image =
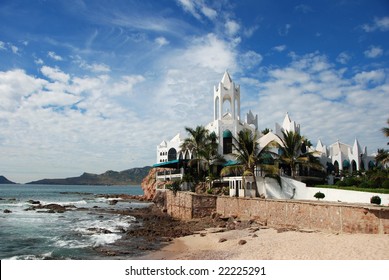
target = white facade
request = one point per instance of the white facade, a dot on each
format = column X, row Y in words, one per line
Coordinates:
column 227, row 123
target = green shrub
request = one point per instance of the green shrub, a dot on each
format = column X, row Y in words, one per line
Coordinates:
column 174, row 186
column 340, row 183
column 319, row 195
column 385, row 184
column 375, row 200
column 209, row 191
column 365, row 185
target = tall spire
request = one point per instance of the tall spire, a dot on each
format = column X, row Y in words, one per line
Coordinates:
column 226, row 80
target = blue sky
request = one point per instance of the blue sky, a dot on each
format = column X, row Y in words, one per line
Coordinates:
column 97, row 85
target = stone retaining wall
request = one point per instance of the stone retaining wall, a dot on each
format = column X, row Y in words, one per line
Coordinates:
column 322, row 216
column 186, row 205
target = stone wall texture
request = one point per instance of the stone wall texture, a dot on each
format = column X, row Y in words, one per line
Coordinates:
column 186, row 205
column 308, row 215
column 322, row 216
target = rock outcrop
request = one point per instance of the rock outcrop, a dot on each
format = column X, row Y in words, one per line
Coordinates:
column 150, row 184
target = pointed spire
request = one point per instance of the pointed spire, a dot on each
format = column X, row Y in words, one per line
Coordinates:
column 226, row 80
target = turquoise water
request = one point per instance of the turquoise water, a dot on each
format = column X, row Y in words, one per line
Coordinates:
column 74, row 234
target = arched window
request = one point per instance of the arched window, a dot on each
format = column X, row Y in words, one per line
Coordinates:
column 172, row 154
column 227, row 142
column 353, row 166
column 336, row 166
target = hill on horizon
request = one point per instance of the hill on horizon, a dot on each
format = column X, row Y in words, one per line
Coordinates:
column 4, row 180
column 133, row 176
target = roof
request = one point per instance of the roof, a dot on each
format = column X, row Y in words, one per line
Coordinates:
column 172, row 163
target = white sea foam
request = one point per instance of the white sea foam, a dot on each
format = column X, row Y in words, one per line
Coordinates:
column 102, row 239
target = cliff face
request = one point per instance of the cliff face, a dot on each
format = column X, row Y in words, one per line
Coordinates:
column 150, row 184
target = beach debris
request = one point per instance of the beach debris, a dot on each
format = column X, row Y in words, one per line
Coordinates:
column 221, row 240
column 203, row 234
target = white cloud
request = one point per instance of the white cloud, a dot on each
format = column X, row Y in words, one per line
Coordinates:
column 232, row 27
column 14, row 49
column 2, row 45
column 343, row 58
column 198, row 9
column 161, row 41
column 126, row 84
column 55, row 74
column 210, row 52
column 250, row 59
column 381, row 24
column 371, row 77
column 374, row 51
column 54, row 56
column 326, row 103
column 279, row 48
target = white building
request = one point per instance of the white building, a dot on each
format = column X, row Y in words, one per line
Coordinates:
column 227, row 123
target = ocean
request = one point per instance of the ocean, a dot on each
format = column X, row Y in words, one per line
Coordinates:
column 74, row 234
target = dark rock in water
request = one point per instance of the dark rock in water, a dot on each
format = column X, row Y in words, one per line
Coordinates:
column 7, row 211
column 34, row 201
column 113, row 202
column 55, row 207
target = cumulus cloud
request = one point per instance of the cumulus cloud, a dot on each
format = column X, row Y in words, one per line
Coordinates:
column 380, row 24
column 54, row 56
column 232, row 27
column 250, row 59
column 66, row 124
column 327, row 103
column 55, row 74
column 374, row 51
column 343, row 58
column 161, row 41
column 279, row 48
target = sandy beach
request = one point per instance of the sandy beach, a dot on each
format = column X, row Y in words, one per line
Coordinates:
column 272, row 244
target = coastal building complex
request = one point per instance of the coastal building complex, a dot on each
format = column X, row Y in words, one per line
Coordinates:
column 227, row 123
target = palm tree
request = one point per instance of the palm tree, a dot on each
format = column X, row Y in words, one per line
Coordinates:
column 246, row 152
column 293, row 151
column 202, row 144
column 382, row 156
column 385, row 130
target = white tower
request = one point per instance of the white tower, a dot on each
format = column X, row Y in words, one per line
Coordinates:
column 226, row 98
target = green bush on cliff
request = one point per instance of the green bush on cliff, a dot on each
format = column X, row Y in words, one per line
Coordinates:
column 319, row 195
column 375, row 200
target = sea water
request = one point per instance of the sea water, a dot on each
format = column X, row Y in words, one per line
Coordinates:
column 73, row 234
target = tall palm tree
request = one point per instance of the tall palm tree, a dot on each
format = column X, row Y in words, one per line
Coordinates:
column 385, row 130
column 246, row 152
column 293, row 151
column 202, row 144
column 382, row 156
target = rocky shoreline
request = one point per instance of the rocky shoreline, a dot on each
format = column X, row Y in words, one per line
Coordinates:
column 154, row 229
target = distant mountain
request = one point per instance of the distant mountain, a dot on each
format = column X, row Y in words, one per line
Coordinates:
column 4, row 180
column 131, row 176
